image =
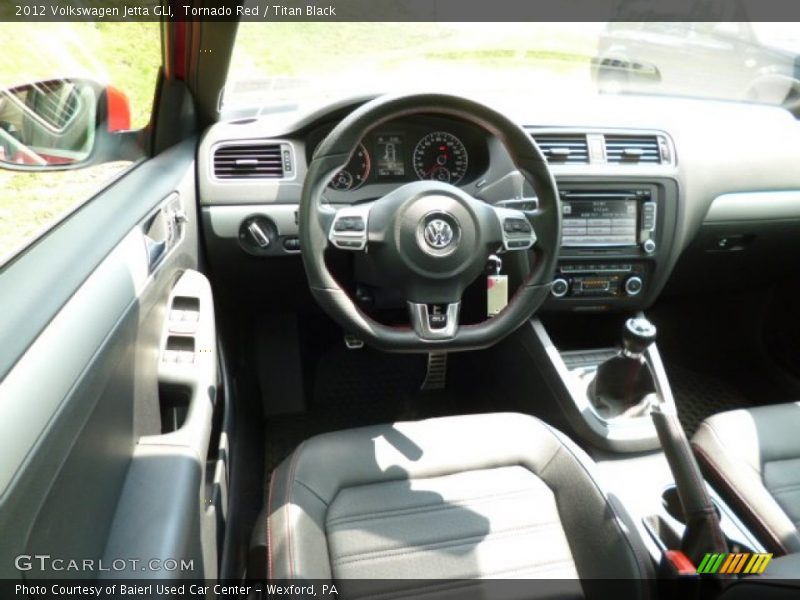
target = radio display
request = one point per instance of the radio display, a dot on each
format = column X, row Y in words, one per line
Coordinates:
column 599, row 222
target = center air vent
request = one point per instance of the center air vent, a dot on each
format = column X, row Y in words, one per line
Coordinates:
column 252, row 160
column 633, row 149
column 563, row 148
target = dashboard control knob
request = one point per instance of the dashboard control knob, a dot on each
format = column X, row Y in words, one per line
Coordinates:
column 633, row 286
column 559, row 288
column 257, row 235
column 649, row 246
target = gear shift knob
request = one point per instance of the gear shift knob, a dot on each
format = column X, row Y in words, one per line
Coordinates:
column 624, row 380
column 637, row 335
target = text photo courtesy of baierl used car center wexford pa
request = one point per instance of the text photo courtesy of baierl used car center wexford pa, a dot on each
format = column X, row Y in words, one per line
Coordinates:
column 400, row 299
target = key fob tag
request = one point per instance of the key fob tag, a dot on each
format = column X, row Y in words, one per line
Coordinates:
column 496, row 294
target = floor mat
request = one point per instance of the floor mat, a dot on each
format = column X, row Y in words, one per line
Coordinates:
column 366, row 387
column 355, row 389
column 365, row 378
column 699, row 396
column 284, row 433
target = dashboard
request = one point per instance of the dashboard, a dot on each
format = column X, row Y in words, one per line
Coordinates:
column 655, row 190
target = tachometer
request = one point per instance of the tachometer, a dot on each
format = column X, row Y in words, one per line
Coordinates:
column 355, row 172
column 440, row 156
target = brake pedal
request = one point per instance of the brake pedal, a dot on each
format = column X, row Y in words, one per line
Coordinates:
column 436, row 374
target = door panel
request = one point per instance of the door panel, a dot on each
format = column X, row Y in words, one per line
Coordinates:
column 38, row 283
column 81, row 400
column 165, row 511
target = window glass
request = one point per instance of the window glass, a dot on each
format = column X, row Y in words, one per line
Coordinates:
column 38, row 58
column 277, row 64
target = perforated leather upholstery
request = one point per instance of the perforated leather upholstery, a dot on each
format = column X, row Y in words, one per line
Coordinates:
column 499, row 495
column 753, row 456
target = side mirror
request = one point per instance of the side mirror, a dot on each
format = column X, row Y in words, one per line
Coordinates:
column 61, row 124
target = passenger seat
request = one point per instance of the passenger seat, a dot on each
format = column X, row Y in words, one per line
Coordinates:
column 752, row 457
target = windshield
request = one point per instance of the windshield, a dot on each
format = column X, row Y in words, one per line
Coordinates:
column 279, row 64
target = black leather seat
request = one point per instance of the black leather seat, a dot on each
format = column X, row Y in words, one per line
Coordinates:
column 753, row 458
column 497, row 495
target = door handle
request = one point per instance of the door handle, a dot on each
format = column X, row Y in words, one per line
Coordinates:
column 163, row 229
column 155, row 251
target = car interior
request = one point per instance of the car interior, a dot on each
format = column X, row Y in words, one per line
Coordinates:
column 417, row 344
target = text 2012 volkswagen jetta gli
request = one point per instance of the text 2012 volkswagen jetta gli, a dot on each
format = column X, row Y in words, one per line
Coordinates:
column 411, row 307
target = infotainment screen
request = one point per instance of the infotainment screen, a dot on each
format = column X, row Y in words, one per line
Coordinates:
column 599, row 222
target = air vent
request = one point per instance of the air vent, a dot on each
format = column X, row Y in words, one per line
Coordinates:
column 633, row 149
column 252, row 161
column 564, row 149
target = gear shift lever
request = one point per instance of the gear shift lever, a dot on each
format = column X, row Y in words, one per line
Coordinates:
column 623, row 381
column 637, row 335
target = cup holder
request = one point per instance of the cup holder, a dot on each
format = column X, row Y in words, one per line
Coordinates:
column 672, row 505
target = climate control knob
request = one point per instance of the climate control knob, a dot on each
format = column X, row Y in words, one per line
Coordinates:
column 633, row 286
column 559, row 288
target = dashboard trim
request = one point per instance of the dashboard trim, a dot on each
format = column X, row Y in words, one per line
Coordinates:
column 226, row 220
column 602, row 132
column 755, row 206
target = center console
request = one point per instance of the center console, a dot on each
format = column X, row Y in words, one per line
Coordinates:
column 616, row 397
column 572, row 376
column 616, row 243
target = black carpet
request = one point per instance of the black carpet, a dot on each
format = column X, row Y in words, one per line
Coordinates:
column 355, row 388
column 699, row 396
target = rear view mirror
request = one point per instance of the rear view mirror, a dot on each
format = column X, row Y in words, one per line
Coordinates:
column 58, row 124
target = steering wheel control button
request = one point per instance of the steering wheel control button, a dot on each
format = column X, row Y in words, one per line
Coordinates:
column 559, row 288
column 633, row 286
column 349, row 228
column 516, row 226
column 517, row 231
column 349, row 224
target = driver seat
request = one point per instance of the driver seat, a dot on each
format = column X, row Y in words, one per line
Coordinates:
column 479, row 496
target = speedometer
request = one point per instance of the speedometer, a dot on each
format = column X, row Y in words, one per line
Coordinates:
column 354, row 173
column 440, row 156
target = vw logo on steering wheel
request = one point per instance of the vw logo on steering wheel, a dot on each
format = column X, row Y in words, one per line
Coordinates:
column 439, row 234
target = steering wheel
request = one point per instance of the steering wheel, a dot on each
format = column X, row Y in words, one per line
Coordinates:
column 429, row 239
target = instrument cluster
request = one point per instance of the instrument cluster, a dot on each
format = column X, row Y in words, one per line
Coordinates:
column 408, row 150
